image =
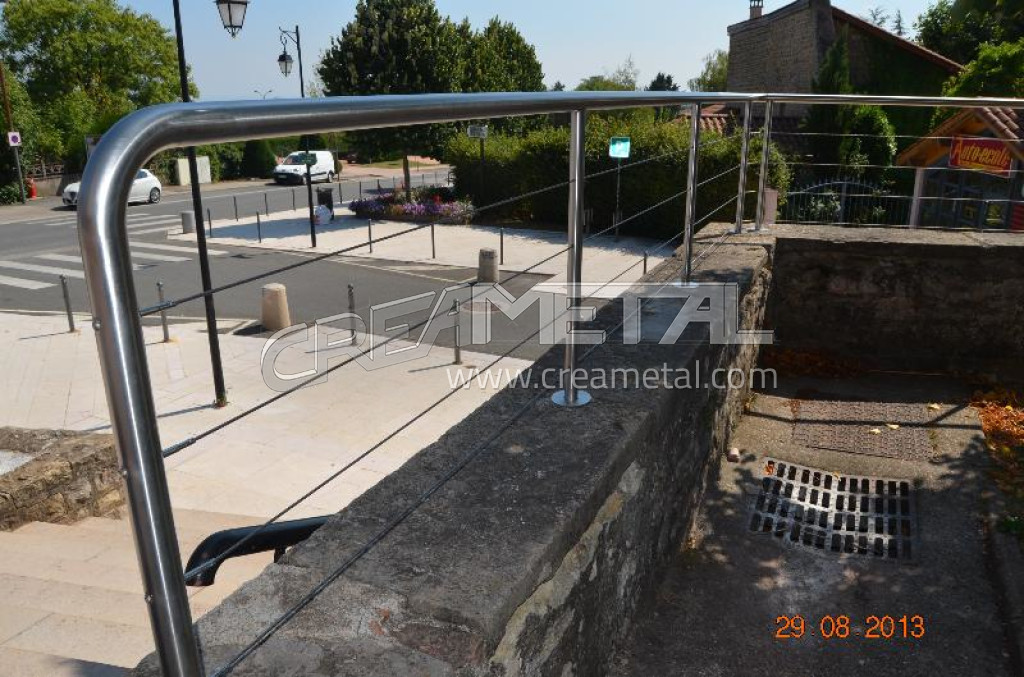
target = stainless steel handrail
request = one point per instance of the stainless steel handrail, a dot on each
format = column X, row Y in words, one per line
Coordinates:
column 104, row 243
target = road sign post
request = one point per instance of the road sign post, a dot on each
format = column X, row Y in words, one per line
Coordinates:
column 618, row 148
column 480, row 132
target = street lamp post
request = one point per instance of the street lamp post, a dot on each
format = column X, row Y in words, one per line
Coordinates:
column 285, row 62
column 220, row 392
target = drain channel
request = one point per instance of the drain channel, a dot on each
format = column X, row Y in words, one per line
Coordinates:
column 839, row 513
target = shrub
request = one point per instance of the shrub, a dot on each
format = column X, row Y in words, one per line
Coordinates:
column 427, row 205
column 10, row 194
column 515, row 166
column 258, row 160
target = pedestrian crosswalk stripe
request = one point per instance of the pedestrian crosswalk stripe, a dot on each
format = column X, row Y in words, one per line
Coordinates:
column 150, row 231
column 158, row 257
column 175, row 248
column 67, row 258
column 23, row 284
column 19, row 265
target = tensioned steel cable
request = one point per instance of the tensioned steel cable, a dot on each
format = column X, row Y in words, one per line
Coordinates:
column 227, row 553
column 903, row 197
column 190, row 441
column 718, row 176
column 968, row 137
column 320, row 257
column 311, row 596
column 706, row 144
column 904, row 167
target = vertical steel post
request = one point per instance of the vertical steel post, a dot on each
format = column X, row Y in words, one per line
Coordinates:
column 259, row 228
column 369, row 233
column 67, row 303
column 458, row 336
column 741, row 200
column 163, row 313
column 293, row 199
column 645, row 263
column 762, row 185
column 501, row 245
column 209, row 221
column 570, row 396
column 235, row 199
column 691, row 191
column 360, row 190
column 266, row 204
column 433, row 243
column 352, row 310
column 219, row 390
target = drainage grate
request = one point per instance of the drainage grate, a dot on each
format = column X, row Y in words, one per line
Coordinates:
column 839, row 513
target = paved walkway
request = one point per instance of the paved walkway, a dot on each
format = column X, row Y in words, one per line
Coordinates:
column 604, row 258
column 748, row 601
column 52, row 380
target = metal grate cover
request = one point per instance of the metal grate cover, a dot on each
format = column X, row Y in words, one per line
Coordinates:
column 830, row 512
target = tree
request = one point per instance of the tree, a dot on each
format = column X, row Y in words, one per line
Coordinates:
column 663, row 82
column 601, row 83
column 715, row 74
column 825, row 121
column 998, row 71
column 558, row 86
column 396, row 47
column 897, row 24
column 878, row 16
column 86, row 63
column 626, row 74
column 956, row 35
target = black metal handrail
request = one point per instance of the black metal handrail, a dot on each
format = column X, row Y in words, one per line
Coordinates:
column 219, row 547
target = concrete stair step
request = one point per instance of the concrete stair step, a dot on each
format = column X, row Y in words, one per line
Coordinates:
column 18, row 663
column 85, row 639
column 124, row 578
column 71, row 599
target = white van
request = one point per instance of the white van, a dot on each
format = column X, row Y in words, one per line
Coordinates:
column 293, row 168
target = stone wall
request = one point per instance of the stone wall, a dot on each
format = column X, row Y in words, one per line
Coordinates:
column 902, row 299
column 532, row 558
column 72, row 475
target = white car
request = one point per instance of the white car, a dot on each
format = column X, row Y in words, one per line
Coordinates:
column 293, row 168
column 145, row 188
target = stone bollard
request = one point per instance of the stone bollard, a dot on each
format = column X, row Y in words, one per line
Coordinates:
column 188, row 222
column 274, row 310
column 487, row 271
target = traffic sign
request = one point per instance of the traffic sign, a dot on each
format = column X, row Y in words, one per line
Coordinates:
column 13, row 139
column 618, row 147
column 477, row 131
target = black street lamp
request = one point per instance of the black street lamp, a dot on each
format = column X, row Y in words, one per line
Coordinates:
column 284, row 62
column 232, row 14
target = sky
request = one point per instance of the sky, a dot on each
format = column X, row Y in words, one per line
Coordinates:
column 573, row 38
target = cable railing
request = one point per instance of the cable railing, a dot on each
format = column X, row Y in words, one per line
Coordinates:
column 117, row 316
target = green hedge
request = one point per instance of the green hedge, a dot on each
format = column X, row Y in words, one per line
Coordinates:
column 518, row 165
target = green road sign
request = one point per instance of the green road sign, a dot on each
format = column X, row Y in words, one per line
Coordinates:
column 618, row 147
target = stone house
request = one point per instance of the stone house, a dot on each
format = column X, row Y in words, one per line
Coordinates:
column 781, row 51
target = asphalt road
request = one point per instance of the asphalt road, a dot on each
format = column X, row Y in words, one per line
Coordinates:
column 36, row 249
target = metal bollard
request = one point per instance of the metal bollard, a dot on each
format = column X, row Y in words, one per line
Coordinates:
column 67, row 303
column 209, row 221
column 234, row 198
column 645, row 263
column 266, row 204
column 501, row 245
column 352, row 308
column 293, row 200
column 369, row 232
column 163, row 313
column 360, row 190
column 259, row 228
column 433, row 243
column 458, row 337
